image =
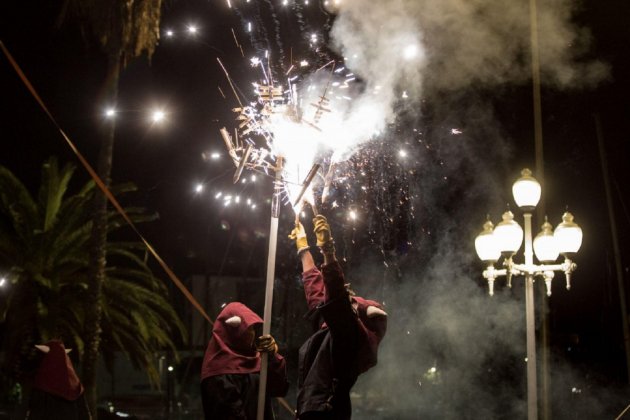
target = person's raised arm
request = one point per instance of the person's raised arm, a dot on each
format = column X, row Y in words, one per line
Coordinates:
column 311, row 277
column 324, row 238
column 298, row 234
column 332, row 273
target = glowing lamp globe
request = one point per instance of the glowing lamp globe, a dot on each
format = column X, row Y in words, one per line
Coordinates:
column 545, row 246
column 508, row 234
column 526, row 191
column 486, row 244
column 568, row 235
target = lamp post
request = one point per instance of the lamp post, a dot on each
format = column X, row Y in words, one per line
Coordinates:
column 504, row 241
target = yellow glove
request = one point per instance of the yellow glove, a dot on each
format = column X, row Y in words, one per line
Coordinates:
column 298, row 234
column 266, row 344
column 322, row 230
column 324, row 238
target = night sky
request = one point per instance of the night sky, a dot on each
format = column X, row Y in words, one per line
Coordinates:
column 467, row 128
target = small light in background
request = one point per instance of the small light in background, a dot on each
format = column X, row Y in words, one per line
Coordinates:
column 158, row 116
column 192, row 29
column 402, row 153
column 169, row 33
column 199, row 188
column 410, row 51
column 3, row 281
column 110, row 113
column 170, row 368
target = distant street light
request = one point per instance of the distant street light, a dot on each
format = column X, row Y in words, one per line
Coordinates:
column 506, row 239
column 158, row 116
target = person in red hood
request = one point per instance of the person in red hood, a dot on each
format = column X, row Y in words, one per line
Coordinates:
column 231, row 367
column 57, row 393
column 349, row 331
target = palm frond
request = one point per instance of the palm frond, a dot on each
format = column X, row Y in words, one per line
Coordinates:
column 53, row 188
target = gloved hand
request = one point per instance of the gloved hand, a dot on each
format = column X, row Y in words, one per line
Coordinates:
column 266, row 344
column 324, row 238
column 298, row 234
column 322, row 230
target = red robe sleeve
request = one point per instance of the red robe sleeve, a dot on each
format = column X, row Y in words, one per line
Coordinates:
column 277, row 383
column 314, row 288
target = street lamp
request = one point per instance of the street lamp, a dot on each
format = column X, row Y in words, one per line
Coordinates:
column 505, row 240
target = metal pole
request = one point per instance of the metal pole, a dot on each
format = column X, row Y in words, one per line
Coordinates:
column 540, row 175
column 532, row 389
column 615, row 244
column 271, row 266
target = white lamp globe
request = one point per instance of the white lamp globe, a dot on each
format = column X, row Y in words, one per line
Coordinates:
column 509, row 234
column 545, row 246
column 568, row 235
column 486, row 244
column 526, row 191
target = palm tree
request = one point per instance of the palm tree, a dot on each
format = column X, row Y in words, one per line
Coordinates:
column 43, row 248
column 124, row 30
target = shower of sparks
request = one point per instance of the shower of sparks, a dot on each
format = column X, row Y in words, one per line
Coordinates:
column 312, row 111
column 235, row 200
column 302, row 120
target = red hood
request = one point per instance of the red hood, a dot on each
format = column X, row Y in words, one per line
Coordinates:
column 229, row 350
column 56, row 374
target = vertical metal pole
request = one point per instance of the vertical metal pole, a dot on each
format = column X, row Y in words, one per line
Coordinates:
column 271, row 268
column 538, row 132
column 541, row 209
column 532, row 388
column 615, row 244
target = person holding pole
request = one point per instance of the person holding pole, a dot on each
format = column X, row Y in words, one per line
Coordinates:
column 231, row 367
column 349, row 331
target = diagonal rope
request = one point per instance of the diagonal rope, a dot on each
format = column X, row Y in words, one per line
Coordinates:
column 104, row 188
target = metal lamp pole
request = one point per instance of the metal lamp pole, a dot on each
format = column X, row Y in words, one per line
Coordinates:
column 532, row 385
column 506, row 239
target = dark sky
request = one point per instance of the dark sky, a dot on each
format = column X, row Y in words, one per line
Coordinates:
column 420, row 216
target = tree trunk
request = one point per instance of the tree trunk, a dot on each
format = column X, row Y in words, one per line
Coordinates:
column 98, row 256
